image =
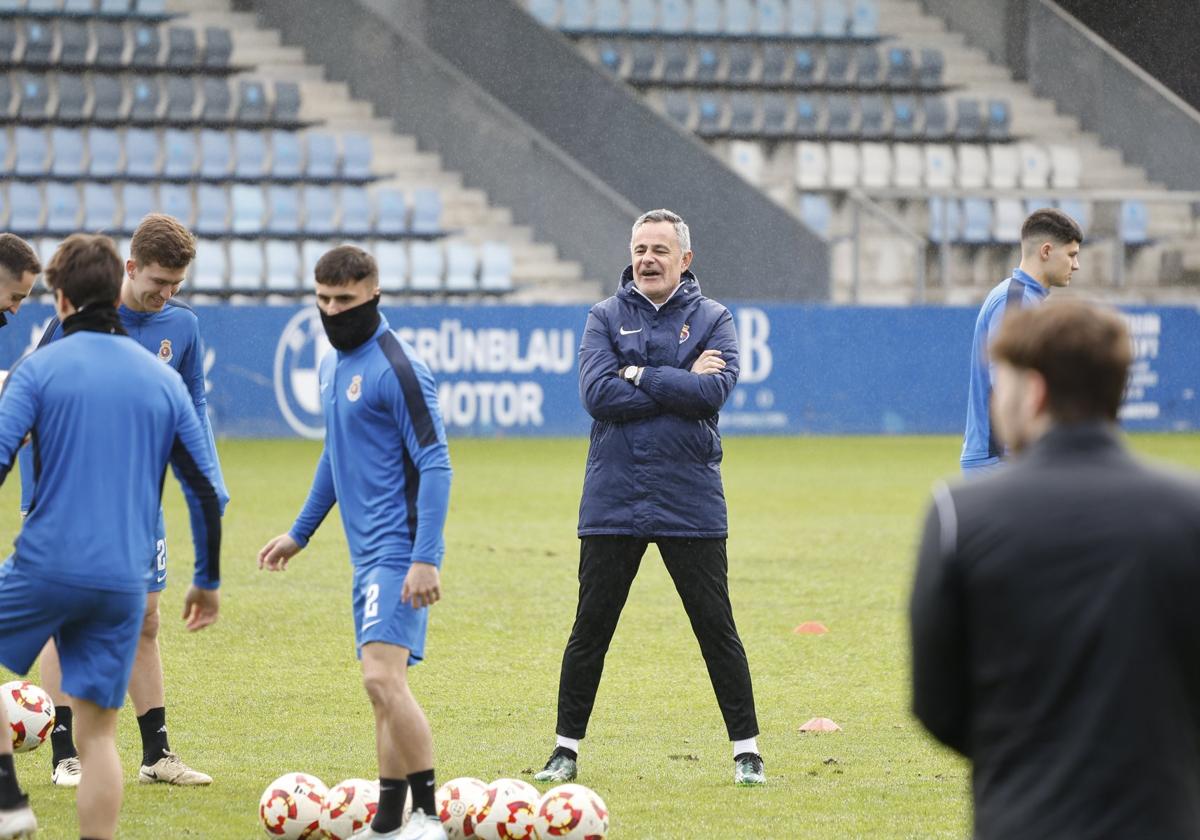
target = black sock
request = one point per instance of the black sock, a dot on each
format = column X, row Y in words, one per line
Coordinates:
column 391, row 805
column 153, row 725
column 10, row 792
column 567, row 751
column 62, row 741
column 423, row 788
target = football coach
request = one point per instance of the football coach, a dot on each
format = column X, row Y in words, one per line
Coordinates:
column 1056, row 640
column 657, row 362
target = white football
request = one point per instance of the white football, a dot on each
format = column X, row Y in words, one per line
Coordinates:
column 572, row 812
column 458, row 802
column 30, row 714
column 507, row 812
column 290, row 807
column 349, row 807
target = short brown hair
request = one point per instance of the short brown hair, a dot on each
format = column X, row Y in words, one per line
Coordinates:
column 1081, row 350
column 1049, row 223
column 17, row 256
column 164, row 240
column 87, row 268
column 345, row 264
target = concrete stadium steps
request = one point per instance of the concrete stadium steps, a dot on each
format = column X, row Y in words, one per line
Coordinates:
column 539, row 272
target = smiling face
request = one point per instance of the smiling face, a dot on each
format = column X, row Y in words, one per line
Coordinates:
column 658, row 260
column 147, row 288
column 14, row 290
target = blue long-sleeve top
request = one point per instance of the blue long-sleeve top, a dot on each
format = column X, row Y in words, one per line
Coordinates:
column 104, row 420
column 385, row 462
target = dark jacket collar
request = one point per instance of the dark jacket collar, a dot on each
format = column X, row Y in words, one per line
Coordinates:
column 689, row 289
column 1090, row 438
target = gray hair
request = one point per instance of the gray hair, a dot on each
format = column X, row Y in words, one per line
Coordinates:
column 681, row 228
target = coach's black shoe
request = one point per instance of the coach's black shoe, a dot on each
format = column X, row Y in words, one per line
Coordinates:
column 560, row 768
column 748, row 769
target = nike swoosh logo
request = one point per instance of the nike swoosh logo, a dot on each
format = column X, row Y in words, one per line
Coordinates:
column 631, row 332
column 370, row 624
column 161, row 578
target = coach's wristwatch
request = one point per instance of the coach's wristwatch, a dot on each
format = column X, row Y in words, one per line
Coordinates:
column 632, row 374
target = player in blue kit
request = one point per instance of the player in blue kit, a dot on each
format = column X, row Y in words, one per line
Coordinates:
column 104, row 419
column 386, row 465
column 19, row 268
column 161, row 251
column 1050, row 241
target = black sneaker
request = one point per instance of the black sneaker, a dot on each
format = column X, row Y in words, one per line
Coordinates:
column 748, row 769
column 560, row 768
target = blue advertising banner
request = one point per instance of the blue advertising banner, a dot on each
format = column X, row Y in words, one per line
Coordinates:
column 511, row 370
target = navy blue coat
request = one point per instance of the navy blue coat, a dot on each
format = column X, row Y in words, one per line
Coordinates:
column 654, row 462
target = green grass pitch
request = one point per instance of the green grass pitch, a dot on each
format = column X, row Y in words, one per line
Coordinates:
column 822, row 529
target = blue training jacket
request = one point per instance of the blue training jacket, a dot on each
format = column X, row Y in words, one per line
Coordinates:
column 980, row 447
column 104, row 419
column 654, row 461
column 385, row 461
column 173, row 335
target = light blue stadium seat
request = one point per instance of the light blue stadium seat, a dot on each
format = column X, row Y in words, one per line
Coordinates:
column 495, row 267
column 817, row 213
column 69, row 154
column 977, row 220
column 12, row 5
column 283, row 266
column 576, row 15
column 1134, row 224
column 5, row 164
column 804, row 65
column 838, row 61
column 545, row 11
column 283, row 207
column 356, row 211
column 426, row 212
column 104, row 153
column 739, row 17
column 678, row 106
column 462, row 267
column 900, row 69
column 802, row 18
column 31, row 151
column 287, row 157
column 968, row 120
column 999, row 120
column 936, row 124
column 62, row 209
column 643, row 16
column 249, row 155
column 212, row 209
column 835, row 19
column 79, row 7
column 706, row 17
column 608, row 15
column 945, row 220
column 391, row 212
column 44, row 7
column 179, row 153
column 356, row 157
column 904, row 117
column 712, row 114
column 426, row 265
column 216, row 154
column 674, row 16
column 1079, row 210
column 392, row 259
column 322, row 156
column 25, row 208
column 864, row 19
column 709, row 67
column 776, row 110
column 142, row 153
column 246, row 266
column 930, row 70
column 612, row 58
column 151, row 8
column 39, row 41
column 772, row 18
column 807, row 116
column 211, row 267
column 137, row 201
column 320, row 211
column 249, row 208
column 99, row 208
column 310, row 253
column 1008, row 216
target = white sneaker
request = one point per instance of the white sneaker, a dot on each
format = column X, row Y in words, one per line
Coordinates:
column 19, row 822
column 171, row 770
column 67, row 773
column 418, row 827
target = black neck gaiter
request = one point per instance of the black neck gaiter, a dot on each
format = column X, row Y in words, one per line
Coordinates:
column 94, row 317
column 351, row 328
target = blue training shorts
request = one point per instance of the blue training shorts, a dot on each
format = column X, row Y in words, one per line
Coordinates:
column 96, row 632
column 157, row 581
column 380, row 617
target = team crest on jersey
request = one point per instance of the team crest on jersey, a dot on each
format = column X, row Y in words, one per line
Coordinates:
column 684, row 333
column 355, row 389
column 165, row 353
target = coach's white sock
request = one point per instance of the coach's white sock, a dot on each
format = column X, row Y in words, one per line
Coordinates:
column 570, row 743
column 749, row 745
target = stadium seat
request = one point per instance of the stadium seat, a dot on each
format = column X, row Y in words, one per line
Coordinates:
column 835, row 19
column 802, row 18
column 151, row 8
column 676, row 61
column 1066, row 166
column 900, row 68
column 99, row 208
column 746, row 159
column 310, row 254
column 807, row 116
column 69, row 153
column 838, row 59
column 1079, row 210
column 462, row 267
column 216, row 154
column 356, row 211
column 706, row 17
column 1004, row 166
column 845, row 165
column 872, row 117
column 217, row 100
column 743, row 114
column 575, row 16
column 977, row 221
column 286, row 108
column 321, row 161
column 104, row 153
column 426, row 266
column 142, row 154
column 868, row 71
column 1036, row 202
column 935, row 126
column 817, row 214
column 250, row 155
column 945, row 220
column 739, row 17
column 147, row 46
column 679, row 107
column 181, row 100
column 39, row 42
column 5, row 164
column 392, row 259
column 674, row 18
column 252, row 107
column 182, row 51
column 79, row 7
column 776, row 115
column 73, row 44
column 137, row 200
column 643, row 16
column 8, row 42
column 776, row 67
column 249, row 209
column 212, row 209
column 245, row 266
column 72, row 99
column 24, row 208
column 287, row 157
column 841, row 116
column 712, row 115
column 495, row 268
column 391, row 212
column 176, row 200
column 110, row 45
column 1133, row 225
column 968, row 120
column 426, row 212
column 772, row 20
column 939, row 166
column 999, row 120
column 44, row 7
column 1035, row 166
column 904, row 117
column 929, row 71
column 35, row 98
column 211, row 266
column 62, row 209
column 146, row 97
column 283, row 207
column 218, row 47
column 31, row 156
column 320, row 211
column 741, row 64
column 876, row 165
column 972, row 166
column 544, row 11
column 612, row 58
column 908, row 166
column 283, row 266
column 179, row 154
column 1007, row 220
column 709, row 66
column 608, row 16
column 643, row 63
column 864, row 19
